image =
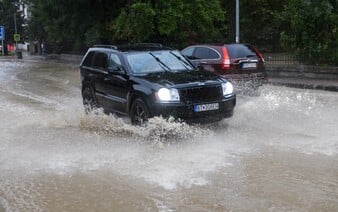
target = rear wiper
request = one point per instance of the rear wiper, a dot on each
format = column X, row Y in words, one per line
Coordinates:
column 251, row 55
column 163, row 65
column 183, row 61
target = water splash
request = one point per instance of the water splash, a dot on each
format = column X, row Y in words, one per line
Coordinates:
column 158, row 131
column 290, row 119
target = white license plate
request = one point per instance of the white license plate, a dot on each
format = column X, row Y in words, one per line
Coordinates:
column 206, row 107
column 249, row 65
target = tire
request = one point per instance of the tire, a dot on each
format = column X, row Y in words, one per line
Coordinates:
column 89, row 100
column 139, row 112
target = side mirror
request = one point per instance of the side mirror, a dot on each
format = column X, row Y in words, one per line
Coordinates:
column 200, row 67
column 199, row 64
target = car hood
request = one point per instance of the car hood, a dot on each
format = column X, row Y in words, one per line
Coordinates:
column 178, row 79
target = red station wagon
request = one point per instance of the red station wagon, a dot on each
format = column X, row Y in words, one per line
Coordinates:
column 242, row 64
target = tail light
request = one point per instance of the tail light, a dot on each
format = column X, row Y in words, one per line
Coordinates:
column 226, row 59
column 259, row 54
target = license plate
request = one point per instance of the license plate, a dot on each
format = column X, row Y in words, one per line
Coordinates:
column 249, row 65
column 206, row 107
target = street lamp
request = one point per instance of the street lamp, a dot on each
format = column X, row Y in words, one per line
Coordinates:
column 237, row 21
column 16, row 31
column 16, row 38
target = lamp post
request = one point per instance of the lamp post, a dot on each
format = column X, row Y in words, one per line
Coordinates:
column 16, row 31
column 16, row 38
column 237, row 21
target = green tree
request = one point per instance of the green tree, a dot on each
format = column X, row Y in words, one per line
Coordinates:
column 260, row 22
column 77, row 24
column 312, row 31
column 72, row 25
column 174, row 22
column 135, row 22
column 9, row 9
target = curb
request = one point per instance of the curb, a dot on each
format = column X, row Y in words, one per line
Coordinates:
column 328, row 86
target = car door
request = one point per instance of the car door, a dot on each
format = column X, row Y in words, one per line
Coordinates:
column 116, row 85
column 208, row 58
column 97, row 72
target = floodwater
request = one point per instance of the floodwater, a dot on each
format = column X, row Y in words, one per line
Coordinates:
column 279, row 152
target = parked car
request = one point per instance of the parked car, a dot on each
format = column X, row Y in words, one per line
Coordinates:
column 146, row 80
column 241, row 64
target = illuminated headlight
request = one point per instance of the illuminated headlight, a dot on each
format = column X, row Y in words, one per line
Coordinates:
column 227, row 88
column 165, row 94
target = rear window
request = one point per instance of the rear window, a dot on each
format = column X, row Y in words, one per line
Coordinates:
column 240, row 51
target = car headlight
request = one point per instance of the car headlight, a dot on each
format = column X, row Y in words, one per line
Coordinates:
column 165, row 94
column 227, row 88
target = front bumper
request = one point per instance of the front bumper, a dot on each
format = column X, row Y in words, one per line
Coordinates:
column 186, row 111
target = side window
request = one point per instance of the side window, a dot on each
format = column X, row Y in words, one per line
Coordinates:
column 114, row 61
column 88, row 59
column 188, row 52
column 213, row 54
column 201, row 53
column 100, row 60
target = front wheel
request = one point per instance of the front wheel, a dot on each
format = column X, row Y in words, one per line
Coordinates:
column 89, row 100
column 139, row 113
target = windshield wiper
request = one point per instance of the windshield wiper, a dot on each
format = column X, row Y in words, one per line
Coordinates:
column 163, row 65
column 186, row 64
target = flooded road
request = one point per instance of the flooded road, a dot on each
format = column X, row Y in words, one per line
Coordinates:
column 279, row 152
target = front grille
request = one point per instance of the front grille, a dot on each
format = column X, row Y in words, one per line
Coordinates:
column 201, row 94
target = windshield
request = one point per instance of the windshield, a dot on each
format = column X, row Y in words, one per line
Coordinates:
column 157, row 61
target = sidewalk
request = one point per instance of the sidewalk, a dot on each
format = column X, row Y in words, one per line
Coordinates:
column 289, row 79
column 26, row 56
column 305, row 83
column 62, row 58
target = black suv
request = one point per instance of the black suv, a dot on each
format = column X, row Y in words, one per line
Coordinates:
column 146, row 80
column 241, row 64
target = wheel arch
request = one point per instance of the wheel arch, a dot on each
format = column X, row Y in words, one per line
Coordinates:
column 92, row 89
column 138, row 95
column 86, row 84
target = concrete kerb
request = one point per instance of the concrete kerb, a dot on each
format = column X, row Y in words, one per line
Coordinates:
column 328, row 85
column 304, row 76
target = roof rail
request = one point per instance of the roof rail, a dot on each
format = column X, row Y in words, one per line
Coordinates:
column 133, row 46
column 106, row 46
column 147, row 44
column 141, row 47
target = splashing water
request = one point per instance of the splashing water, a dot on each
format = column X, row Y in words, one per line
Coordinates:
column 158, row 131
column 278, row 152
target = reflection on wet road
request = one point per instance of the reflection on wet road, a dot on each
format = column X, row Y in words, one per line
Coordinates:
column 279, row 152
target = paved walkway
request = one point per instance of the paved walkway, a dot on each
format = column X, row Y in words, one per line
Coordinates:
column 306, row 83
column 321, row 84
